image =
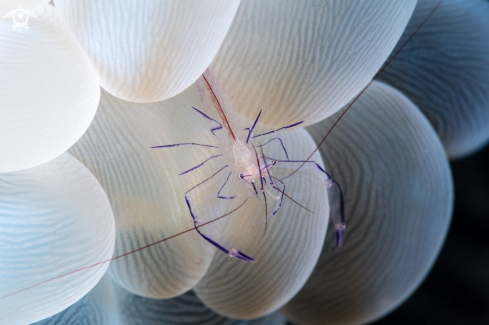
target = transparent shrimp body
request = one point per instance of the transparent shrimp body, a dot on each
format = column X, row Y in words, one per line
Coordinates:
column 244, row 166
column 244, row 160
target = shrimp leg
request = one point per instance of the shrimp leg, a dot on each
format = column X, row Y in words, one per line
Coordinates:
column 200, row 165
column 281, row 143
column 225, row 197
column 276, row 187
column 190, row 144
column 184, row 144
column 210, row 119
column 250, row 133
column 206, row 225
column 335, row 195
column 282, row 128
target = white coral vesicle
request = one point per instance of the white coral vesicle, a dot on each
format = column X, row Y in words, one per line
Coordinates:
column 55, row 220
column 147, row 51
column 451, row 90
column 49, row 92
column 146, row 191
column 304, row 62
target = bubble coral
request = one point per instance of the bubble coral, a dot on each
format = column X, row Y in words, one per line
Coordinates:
column 450, row 90
column 298, row 63
column 45, row 107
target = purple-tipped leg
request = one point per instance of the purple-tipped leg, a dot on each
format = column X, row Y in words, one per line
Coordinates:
column 282, row 128
column 250, row 133
column 335, row 195
column 208, row 226
column 200, row 165
column 278, row 200
column 233, row 252
column 340, row 234
column 183, row 144
column 223, row 196
column 281, row 143
column 337, row 208
column 210, row 119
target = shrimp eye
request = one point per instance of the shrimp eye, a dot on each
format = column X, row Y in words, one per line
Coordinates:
column 274, row 162
column 241, row 176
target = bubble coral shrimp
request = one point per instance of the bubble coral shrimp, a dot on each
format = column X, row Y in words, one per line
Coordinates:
column 246, row 163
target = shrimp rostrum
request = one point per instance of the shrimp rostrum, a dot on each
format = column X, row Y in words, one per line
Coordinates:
column 245, row 164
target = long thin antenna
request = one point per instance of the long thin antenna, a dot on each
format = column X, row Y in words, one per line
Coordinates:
column 125, row 254
column 375, row 77
column 293, row 200
column 270, row 176
column 266, row 213
column 219, row 109
column 262, row 188
column 268, row 173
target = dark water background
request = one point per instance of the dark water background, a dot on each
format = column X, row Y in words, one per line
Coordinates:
column 456, row 290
